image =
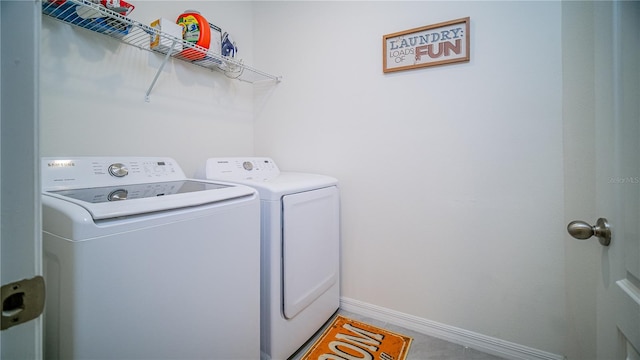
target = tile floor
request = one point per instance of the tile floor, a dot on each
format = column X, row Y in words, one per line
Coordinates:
column 423, row 347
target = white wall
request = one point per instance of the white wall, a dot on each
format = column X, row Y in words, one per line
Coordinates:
column 93, row 91
column 451, row 177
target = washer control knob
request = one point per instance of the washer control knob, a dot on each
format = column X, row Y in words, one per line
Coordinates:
column 118, row 170
column 116, row 195
column 247, row 165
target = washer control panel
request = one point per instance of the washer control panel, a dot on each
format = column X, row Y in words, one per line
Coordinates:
column 61, row 173
column 237, row 169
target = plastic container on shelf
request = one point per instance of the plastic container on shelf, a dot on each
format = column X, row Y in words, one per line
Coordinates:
column 195, row 30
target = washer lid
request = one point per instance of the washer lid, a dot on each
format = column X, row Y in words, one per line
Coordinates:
column 134, row 199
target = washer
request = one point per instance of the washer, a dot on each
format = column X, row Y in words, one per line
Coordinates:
column 300, row 227
column 142, row 263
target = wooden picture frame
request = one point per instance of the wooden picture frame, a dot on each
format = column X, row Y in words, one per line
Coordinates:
column 438, row 44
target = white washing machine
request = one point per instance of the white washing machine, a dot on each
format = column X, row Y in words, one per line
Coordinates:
column 300, row 220
column 142, row 263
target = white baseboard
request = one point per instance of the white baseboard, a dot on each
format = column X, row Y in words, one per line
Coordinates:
column 452, row 334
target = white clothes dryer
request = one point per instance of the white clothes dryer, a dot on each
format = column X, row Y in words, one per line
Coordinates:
column 142, row 263
column 300, row 247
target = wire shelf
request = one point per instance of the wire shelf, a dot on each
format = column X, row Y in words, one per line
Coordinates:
column 92, row 16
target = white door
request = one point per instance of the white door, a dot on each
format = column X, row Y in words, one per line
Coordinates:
column 310, row 247
column 613, row 102
column 20, row 234
column 618, row 183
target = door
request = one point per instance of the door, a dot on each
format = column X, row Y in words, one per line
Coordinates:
column 310, row 247
column 618, row 300
column 618, row 178
column 20, row 244
column 604, row 128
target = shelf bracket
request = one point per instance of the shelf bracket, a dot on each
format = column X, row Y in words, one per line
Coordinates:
column 155, row 78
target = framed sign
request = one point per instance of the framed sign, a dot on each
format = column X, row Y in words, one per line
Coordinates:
column 437, row 44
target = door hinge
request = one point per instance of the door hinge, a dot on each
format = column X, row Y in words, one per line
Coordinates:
column 22, row 301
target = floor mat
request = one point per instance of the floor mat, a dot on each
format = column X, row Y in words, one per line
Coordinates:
column 348, row 339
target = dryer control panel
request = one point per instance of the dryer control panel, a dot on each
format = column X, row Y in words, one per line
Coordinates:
column 64, row 173
column 238, row 169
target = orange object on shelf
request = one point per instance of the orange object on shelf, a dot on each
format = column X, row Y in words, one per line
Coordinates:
column 196, row 30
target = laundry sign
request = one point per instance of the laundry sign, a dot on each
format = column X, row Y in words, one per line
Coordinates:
column 437, row 44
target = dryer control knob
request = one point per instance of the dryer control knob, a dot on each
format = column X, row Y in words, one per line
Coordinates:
column 118, row 170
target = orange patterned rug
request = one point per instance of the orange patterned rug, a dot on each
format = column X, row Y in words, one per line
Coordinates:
column 349, row 339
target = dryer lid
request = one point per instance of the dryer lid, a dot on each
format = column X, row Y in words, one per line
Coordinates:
column 263, row 175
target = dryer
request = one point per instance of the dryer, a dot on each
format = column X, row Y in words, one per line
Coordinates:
column 300, row 249
column 143, row 263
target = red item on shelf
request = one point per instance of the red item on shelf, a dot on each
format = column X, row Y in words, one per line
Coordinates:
column 121, row 7
column 196, row 30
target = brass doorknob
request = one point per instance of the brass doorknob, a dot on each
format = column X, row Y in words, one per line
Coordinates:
column 582, row 230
